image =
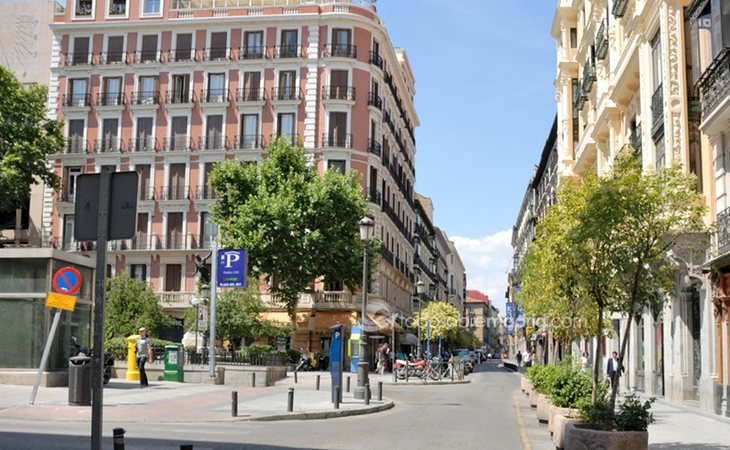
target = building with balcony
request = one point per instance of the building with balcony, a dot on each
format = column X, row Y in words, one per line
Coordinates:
column 169, row 89
column 627, row 80
column 455, row 277
column 477, row 313
column 427, row 255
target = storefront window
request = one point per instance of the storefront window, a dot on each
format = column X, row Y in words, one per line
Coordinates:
column 22, row 332
column 24, row 275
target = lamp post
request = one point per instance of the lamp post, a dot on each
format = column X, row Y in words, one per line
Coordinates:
column 366, row 226
column 420, row 289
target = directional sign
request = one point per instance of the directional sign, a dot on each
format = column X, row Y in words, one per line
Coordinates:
column 60, row 301
column 231, row 268
column 67, row 281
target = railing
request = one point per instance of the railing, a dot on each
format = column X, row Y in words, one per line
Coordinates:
column 715, row 83
column 175, row 241
column 332, row 299
column 176, row 143
column 108, row 145
column 105, row 58
column 252, row 52
column 235, row 358
column 601, row 41
column 146, row 56
column 142, row 144
column 215, row 95
column 179, row 97
column 288, row 51
column 76, row 100
column 374, row 147
column 723, row 231
column 216, row 4
column 175, row 299
column 76, row 145
column 343, row 140
column 110, row 99
column 145, row 98
column 579, row 98
column 657, row 110
column 141, row 241
column 180, row 55
column 205, row 192
column 589, row 76
column 78, row 59
column 249, row 95
column 375, row 100
column 174, row 193
column 285, row 93
column 247, row 141
column 211, row 142
column 375, row 197
column 376, row 60
column 338, row 93
column 146, row 192
column 216, row 53
column 340, row 50
column 619, row 8
column 387, row 255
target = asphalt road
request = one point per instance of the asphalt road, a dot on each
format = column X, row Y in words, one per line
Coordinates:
column 484, row 414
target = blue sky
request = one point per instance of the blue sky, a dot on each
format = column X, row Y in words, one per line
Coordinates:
column 484, row 74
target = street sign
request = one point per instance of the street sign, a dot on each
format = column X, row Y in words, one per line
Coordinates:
column 231, row 269
column 122, row 206
column 67, row 281
column 60, row 301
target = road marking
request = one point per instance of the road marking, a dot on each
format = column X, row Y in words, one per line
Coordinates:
column 520, row 421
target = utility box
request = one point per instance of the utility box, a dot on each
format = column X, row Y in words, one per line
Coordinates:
column 174, row 361
column 79, row 381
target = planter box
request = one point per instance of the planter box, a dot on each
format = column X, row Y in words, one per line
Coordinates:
column 578, row 438
column 560, row 425
column 525, row 384
column 534, row 396
column 543, row 408
column 557, row 410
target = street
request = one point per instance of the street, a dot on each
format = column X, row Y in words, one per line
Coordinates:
column 481, row 414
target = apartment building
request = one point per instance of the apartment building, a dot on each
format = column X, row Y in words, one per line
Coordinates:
column 170, row 88
column 427, row 254
column 456, row 277
column 642, row 76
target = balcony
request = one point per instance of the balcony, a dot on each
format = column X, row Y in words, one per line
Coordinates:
column 216, row 54
column 175, row 299
column 215, row 96
column 108, row 145
column 579, row 100
column 144, row 98
column 175, row 55
column 179, row 143
column 635, row 139
column 619, row 8
column 375, row 100
column 142, row 144
column 66, row 196
column 714, row 85
column 180, row 97
column 146, row 193
column 110, row 99
column 247, row 142
column 374, row 147
column 589, row 76
column 601, row 41
column 76, row 145
column 338, row 93
column 76, row 100
column 376, row 197
column 211, row 142
column 252, row 52
column 147, row 57
column 78, row 59
column 286, row 93
column 141, row 241
column 204, row 192
column 288, row 51
column 186, row 5
column 110, row 58
column 657, row 111
column 249, row 95
column 343, row 140
column 340, row 51
column 336, row 300
column 174, row 193
column 723, row 231
column 376, row 60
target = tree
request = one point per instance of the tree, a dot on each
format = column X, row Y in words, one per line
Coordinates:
column 27, row 139
column 130, row 304
column 442, row 317
column 296, row 225
column 237, row 316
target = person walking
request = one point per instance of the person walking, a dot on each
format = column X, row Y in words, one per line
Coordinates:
column 143, row 347
column 613, row 368
column 519, row 360
column 585, row 362
column 528, row 359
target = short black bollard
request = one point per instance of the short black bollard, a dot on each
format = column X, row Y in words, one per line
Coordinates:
column 186, row 446
column 253, row 379
column 380, row 391
column 337, row 396
column 290, row 400
column 234, row 403
column 317, row 382
column 118, row 434
column 295, row 377
column 367, row 393
column 347, row 384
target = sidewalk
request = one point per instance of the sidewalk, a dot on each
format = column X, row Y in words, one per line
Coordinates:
column 678, row 428
column 187, row 402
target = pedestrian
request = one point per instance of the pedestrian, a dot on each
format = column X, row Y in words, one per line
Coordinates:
column 613, row 368
column 519, row 359
column 584, row 362
column 379, row 359
column 527, row 359
column 386, row 357
column 144, row 353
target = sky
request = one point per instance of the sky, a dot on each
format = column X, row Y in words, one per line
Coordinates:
column 485, row 98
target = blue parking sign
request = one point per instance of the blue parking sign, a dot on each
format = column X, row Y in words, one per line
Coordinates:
column 231, row 268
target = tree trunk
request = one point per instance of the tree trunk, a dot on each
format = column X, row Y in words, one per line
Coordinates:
column 597, row 357
column 622, row 352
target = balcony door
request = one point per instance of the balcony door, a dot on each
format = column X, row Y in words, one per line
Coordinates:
column 216, row 87
column 341, row 42
column 285, row 126
column 79, row 87
column 147, row 91
column 338, row 129
column 81, row 51
column 145, row 181
column 208, row 229
column 288, row 44
column 141, row 239
column 115, row 49
column 180, row 87
column 173, row 277
column 177, row 181
column 287, row 85
column 110, row 135
column 249, row 131
column 175, row 230
column 144, row 140
column 214, row 132
column 70, row 176
column 76, row 136
column 338, row 84
column 251, row 86
column 112, row 91
column 253, row 45
column 183, row 47
column 218, row 41
column 149, row 48
column 68, row 232
column 179, row 133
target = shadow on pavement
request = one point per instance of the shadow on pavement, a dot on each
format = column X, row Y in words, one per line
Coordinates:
column 685, row 446
column 25, row 441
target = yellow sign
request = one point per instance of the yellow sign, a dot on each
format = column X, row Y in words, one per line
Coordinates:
column 60, row 301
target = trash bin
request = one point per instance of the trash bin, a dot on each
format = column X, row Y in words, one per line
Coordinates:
column 174, row 359
column 79, row 381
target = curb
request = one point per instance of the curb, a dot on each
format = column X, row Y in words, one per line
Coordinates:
column 323, row 414
column 425, row 383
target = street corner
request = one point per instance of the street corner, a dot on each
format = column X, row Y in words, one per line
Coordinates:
column 344, row 411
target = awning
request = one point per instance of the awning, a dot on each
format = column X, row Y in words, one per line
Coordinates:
column 411, row 339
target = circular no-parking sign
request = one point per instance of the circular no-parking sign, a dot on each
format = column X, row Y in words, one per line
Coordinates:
column 67, row 281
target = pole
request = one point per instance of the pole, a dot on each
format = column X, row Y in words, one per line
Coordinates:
column 392, row 345
column 211, row 327
column 44, row 358
column 97, row 367
column 119, row 438
column 290, row 400
column 428, row 337
column 196, row 329
column 362, row 365
column 234, row 403
column 418, row 348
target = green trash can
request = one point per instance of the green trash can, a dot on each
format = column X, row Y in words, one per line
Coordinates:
column 174, row 360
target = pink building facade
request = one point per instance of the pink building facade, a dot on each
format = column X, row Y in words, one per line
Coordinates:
column 170, row 88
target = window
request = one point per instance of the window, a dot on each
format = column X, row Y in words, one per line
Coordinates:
column 144, row 141
column 70, row 176
column 145, row 181
column 336, row 165
column 151, row 7
column 138, row 271
column 341, row 42
column 573, row 38
column 84, row 9
column 175, row 231
column 180, row 88
column 68, row 232
column 338, row 130
column 110, row 135
column 216, row 87
column 117, row 8
column 147, row 91
column 250, row 131
column 81, row 51
column 253, row 45
column 115, row 49
column 112, row 91
column 288, row 44
column 208, row 230
column 285, row 126
column 179, row 133
column 76, row 142
column 334, row 286
column 149, row 48
column 218, row 46
column 214, row 132
column 251, row 86
column 656, row 60
column 78, row 91
column 183, row 47
column 173, row 277
column 338, row 84
column 287, row 85
column 659, row 152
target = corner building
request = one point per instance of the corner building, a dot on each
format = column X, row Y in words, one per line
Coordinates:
column 170, row 88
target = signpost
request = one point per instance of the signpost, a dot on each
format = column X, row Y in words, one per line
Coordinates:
column 65, row 281
column 337, row 358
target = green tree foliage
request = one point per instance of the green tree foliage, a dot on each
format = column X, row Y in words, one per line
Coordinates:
column 296, row 225
column 130, row 304
column 27, row 138
column 444, row 319
column 237, row 316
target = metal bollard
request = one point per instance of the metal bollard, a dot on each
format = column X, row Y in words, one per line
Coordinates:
column 337, row 396
column 407, row 371
column 295, row 377
column 119, row 438
column 234, row 403
column 347, row 384
column 380, row 391
column 290, row 400
column 317, row 382
column 186, row 446
column 367, row 393
column 253, row 379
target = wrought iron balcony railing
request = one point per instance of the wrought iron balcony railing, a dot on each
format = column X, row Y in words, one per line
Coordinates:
column 715, row 83
column 76, row 100
column 108, row 145
column 657, row 110
column 375, row 100
column 579, row 99
column 252, row 52
column 338, row 93
column 204, row 192
column 287, row 51
column 142, row 144
column 147, row 56
column 286, row 93
column 249, row 95
column 144, row 98
column 619, row 8
column 589, row 76
column 179, row 97
column 211, row 142
column 176, row 143
column 341, row 50
column 723, row 231
column 343, row 140
column 110, row 99
column 601, row 41
column 635, row 139
column 174, row 192
column 216, row 54
column 106, row 58
column 78, row 59
column 214, row 96
column 374, row 147
column 188, row 5
column 376, row 59
column 180, row 55
column 247, row 141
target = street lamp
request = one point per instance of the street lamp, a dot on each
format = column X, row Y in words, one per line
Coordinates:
column 197, row 301
column 420, row 289
column 366, row 226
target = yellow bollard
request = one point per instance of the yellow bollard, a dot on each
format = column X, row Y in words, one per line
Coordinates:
column 132, row 369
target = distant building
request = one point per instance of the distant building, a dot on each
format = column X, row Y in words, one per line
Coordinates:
column 477, row 316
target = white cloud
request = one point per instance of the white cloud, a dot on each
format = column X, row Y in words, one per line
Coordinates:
column 487, row 262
